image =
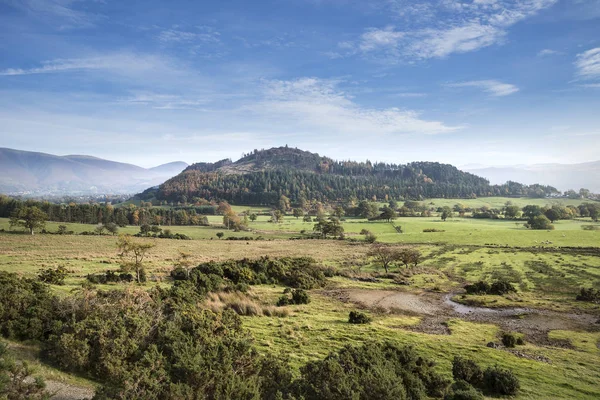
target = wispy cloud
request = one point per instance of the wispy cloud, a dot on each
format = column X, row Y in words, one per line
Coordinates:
column 549, row 52
column 165, row 101
column 122, row 63
column 445, row 27
column 588, row 64
column 493, row 87
column 178, row 36
column 64, row 12
column 322, row 105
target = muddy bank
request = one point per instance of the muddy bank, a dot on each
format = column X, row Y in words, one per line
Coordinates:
column 436, row 309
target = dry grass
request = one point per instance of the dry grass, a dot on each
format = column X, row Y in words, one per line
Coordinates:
column 243, row 304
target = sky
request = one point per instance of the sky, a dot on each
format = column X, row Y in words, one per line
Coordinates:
column 465, row 82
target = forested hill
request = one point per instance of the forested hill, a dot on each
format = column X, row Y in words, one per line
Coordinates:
column 261, row 177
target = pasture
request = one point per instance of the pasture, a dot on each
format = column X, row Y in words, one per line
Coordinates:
column 561, row 354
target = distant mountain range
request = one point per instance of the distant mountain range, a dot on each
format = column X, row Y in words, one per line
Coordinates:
column 561, row 176
column 25, row 172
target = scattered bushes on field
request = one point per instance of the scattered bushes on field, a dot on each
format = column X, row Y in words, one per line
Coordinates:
column 109, row 277
column 499, row 287
column 357, row 317
column 167, row 343
column 246, row 238
column 53, row 276
column 590, row 227
column 299, row 296
column 589, row 294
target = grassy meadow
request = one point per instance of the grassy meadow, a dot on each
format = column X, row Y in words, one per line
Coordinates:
column 547, row 278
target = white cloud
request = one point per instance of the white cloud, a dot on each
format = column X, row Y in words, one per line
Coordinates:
column 588, row 64
column 321, row 105
column 376, row 38
column 62, row 11
column 178, row 36
column 121, row 63
column 548, row 52
column 493, row 87
column 445, row 27
column 165, row 101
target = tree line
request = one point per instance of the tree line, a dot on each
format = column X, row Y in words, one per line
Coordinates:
column 106, row 213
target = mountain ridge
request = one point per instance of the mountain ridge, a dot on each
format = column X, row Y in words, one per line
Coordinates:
column 27, row 172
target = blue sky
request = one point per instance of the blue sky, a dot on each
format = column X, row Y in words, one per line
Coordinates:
column 492, row 82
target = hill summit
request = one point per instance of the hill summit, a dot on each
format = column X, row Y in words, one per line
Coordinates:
column 263, row 176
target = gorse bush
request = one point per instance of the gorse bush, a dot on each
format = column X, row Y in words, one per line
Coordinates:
column 27, row 308
column 299, row 296
column 372, row 371
column 53, row 276
column 500, row 287
column 464, row 369
column 589, row 294
column 500, row 381
column 357, row 317
column 16, row 380
column 109, row 277
column 300, row 272
column 493, row 381
column 511, row 340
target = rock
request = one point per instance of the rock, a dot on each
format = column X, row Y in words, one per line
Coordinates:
column 492, row 345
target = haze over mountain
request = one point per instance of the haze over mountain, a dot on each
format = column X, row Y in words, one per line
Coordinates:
column 26, row 172
column 561, row 176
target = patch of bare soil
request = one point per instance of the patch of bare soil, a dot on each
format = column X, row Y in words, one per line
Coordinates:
column 65, row 391
column 436, row 309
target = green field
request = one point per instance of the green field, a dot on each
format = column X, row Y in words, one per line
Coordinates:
column 560, row 360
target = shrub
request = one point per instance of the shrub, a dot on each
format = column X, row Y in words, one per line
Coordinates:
column 357, row 317
column 467, row 370
column 53, row 276
column 509, row 339
column 502, row 287
column 498, row 288
column 26, row 307
column 540, row 222
column 500, row 381
column 462, row 390
column 480, row 287
column 589, row 295
column 590, row 227
column 109, row 277
column 372, row 371
column 299, row 296
column 16, row 380
column 433, row 230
